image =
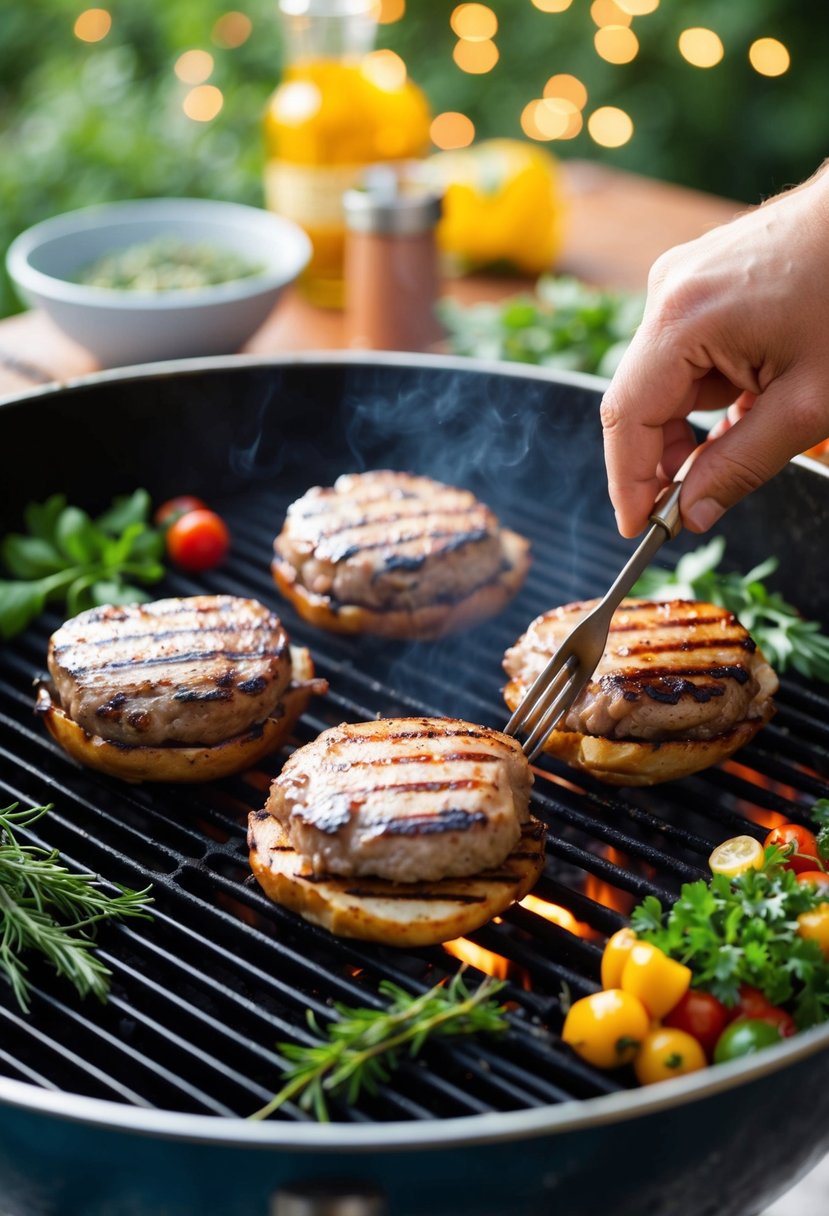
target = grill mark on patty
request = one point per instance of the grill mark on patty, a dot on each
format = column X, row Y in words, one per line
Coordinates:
column 673, row 622
column 437, row 503
column 668, row 686
column 336, row 605
column 217, row 604
column 419, row 758
column 382, row 736
column 448, row 819
column 745, row 643
column 341, row 555
column 192, row 656
column 158, row 635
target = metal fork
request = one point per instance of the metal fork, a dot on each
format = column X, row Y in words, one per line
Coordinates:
column 559, row 684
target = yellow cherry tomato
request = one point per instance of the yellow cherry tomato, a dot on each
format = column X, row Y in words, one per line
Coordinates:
column 667, row 1053
column 606, row 1028
column 814, row 926
column 736, row 855
column 615, row 956
column 658, row 981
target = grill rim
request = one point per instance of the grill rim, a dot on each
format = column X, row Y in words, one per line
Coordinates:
column 456, row 1132
column 431, row 1133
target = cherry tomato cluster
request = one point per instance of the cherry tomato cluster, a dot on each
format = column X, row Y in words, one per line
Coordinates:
column 196, row 537
column 647, row 1014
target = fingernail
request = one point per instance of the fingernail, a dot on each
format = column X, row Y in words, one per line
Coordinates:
column 703, row 514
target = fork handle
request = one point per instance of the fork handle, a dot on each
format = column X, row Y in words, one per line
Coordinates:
column 666, row 510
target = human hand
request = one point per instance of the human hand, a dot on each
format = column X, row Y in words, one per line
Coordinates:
column 737, row 318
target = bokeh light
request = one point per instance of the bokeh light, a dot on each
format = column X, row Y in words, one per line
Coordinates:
column 701, row 47
column 92, row 25
column 769, row 57
column 194, row 67
column 638, row 8
column 452, row 130
column 203, row 103
column 391, row 11
column 552, row 6
column 608, row 12
column 475, row 57
column 232, row 30
column 551, row 118
column 616, row 44
column 385, row 69
column 568, row 87
column 610, row 127
column 474, row 22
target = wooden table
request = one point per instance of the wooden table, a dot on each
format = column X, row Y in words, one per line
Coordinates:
column 618, row 224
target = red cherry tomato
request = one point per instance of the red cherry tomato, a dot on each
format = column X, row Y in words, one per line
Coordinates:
column 702, row 1016
column 797, row 841
column 818, row 878
column 198, row 540
column 752, row 1004
column 174, row 508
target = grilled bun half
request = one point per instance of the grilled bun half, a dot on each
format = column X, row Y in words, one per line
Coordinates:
column 681, row 686
column 180, row 690
column 396, row 555
column 396, row 914
column 407, row 831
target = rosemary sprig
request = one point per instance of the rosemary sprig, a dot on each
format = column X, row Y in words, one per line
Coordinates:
column 360, row 1049
column 785, row 637
column 47, row 908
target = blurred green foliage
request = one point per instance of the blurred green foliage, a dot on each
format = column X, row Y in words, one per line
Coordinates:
column 83, row 123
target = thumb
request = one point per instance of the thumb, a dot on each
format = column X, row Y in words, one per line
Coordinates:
column 781, row 423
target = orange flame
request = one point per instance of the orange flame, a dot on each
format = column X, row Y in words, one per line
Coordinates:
column 560, row 916
column 758, row 814
column 496, row 965
column 603, row 892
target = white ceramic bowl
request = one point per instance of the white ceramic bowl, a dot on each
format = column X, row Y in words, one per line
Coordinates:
column 123, row 326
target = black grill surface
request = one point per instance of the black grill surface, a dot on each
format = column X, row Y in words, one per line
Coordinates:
column 202, row 994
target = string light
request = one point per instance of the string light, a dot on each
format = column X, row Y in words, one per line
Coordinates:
column 475, row 57
column 567, row 87
column 769, row 57
column 610, row 127
column 474, row 22
column 616, row 44
column 391, row 11
column 232, row 29
column 92, row 25
column 701, row 47
column 194, row 67
column 385, row 69
column 638, row 8
column 552, row 6
column 203, row 103
column 452, row 130
column 608, row 12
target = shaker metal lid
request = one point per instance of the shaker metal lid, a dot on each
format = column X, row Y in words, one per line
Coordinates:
column 391, row 205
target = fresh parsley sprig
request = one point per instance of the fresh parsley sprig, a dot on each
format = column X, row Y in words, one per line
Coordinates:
column 48, row 909
column 743, row 930
column 785, row 637
column 359, row 1050
column 69, row 557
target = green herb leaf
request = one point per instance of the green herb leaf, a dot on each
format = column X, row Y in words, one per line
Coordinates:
column 72, row 558
column 360, row 1049
column 50, row 910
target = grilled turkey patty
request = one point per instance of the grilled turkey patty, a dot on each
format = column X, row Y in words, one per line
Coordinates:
column 677, row 670
column 406, row 799
column 194, row 671
column 385, row 540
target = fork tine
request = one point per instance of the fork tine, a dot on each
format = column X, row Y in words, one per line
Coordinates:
column 542, row 689
column 553, row 713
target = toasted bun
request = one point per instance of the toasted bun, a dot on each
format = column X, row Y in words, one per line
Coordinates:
column 425, row 623
column 396, row 914
column 640, row 762
column 179, row 763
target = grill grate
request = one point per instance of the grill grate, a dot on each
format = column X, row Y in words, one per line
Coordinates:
column 202, row 994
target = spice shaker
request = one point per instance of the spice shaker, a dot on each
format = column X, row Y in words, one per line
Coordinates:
column 391, row 264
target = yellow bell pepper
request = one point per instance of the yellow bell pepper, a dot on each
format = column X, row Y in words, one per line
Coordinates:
column 615, row 956
column 606, row 1028
column 658, row 981
column 503, row 204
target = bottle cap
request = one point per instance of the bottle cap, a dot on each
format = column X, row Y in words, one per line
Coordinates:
column 390, row 205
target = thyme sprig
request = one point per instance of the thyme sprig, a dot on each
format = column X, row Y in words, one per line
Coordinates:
column 359, row 1050
column 48, row 909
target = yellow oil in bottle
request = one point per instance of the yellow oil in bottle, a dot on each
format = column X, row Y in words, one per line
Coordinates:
column 339, row 108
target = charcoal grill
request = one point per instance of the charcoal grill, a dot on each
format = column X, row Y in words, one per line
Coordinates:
column 138, row 1106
